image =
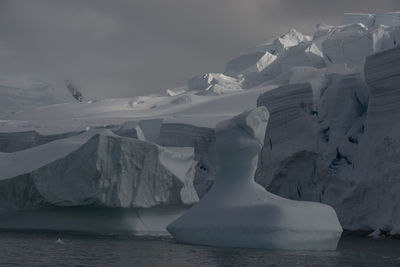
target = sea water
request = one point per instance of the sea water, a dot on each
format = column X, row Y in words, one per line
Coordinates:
column 67, row 249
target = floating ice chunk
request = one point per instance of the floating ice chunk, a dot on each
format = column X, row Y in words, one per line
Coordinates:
column 59, row 241
column 237, row 212
column 375, row 234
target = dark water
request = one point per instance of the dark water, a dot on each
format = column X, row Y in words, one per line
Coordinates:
column 41, row 249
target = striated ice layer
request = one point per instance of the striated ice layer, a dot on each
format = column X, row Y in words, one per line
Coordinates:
column 312, row 140
column 291, row 120
column 382, row 75
column 237, row 212
column 373, row 201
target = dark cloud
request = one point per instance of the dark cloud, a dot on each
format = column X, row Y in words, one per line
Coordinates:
column 128, row 48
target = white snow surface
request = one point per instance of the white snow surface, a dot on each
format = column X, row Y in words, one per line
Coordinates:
column 20, row 93
column 238, row 212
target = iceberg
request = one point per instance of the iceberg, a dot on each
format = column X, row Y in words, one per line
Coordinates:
column 238, row 212
column 135, row 186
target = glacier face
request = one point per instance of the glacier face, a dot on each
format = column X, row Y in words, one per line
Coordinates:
column 373, row 197
column 237, row 212
column 343, row 153
column 107, row 171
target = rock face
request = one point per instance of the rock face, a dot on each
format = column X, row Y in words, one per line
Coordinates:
column 237, row 212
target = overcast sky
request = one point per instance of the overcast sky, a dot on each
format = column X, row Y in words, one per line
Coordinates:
column 115, row 48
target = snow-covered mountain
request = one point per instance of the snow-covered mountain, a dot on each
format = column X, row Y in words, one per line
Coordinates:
column 332, row 135
column 20, row 94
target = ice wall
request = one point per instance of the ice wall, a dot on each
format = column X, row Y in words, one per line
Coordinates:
column 372, row 203
column 105, row 171
column 350, row 157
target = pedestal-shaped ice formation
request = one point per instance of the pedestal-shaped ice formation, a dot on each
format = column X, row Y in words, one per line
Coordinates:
column 237, row 212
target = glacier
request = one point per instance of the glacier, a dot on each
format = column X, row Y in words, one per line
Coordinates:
column 332, row 136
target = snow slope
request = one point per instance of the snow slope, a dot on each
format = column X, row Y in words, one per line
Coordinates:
column 20, row 93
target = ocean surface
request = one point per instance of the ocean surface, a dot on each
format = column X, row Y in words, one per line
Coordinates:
column 66, row 249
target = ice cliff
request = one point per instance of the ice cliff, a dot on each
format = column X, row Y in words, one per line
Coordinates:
column 97, row 169
column 340, row 147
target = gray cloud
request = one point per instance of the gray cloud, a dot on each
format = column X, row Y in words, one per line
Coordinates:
column 129, row 48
